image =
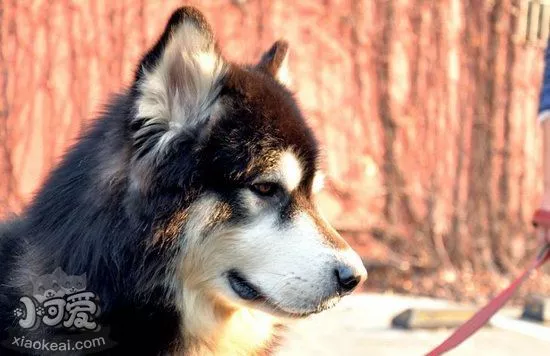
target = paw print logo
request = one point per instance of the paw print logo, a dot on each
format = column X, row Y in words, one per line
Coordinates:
column 18, row 313
column 40, row 311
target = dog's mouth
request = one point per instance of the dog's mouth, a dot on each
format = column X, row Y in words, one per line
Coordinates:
column 243, row 288
column 249, row 292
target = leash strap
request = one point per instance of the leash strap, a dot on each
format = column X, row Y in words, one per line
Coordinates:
column 482, row 316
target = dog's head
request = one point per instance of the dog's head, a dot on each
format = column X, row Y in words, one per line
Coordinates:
column 230, row 142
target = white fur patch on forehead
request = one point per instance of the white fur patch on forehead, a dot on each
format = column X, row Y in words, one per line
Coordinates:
column 287, row 171
column 290, row 170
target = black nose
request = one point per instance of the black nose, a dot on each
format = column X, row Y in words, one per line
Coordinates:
column 348, row 279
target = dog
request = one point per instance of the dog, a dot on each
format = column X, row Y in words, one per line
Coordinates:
column 188, row 205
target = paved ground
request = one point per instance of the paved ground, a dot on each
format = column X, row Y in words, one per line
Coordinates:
column 360, row 325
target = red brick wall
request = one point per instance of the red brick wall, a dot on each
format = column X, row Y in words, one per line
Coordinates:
column 426, row 109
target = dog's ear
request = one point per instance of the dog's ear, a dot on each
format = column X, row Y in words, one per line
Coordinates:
column 275, row 62
column 177, row 83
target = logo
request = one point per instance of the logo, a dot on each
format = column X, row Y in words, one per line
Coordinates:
column 63, row 304
column 59, row 300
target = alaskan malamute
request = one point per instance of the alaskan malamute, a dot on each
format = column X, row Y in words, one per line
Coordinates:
column 187, row 209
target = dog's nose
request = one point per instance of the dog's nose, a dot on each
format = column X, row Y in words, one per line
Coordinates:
column 348, row 278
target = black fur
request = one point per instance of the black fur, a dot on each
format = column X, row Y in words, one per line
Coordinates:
column 85, row 224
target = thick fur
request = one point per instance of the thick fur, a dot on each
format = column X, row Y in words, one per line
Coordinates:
column 156, row 205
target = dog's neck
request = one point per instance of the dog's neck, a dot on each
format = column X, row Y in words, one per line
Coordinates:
column 212, row 328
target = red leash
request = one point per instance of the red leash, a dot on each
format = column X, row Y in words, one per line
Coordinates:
column 482, row 317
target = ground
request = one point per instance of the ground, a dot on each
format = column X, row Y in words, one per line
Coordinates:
column 360, row 325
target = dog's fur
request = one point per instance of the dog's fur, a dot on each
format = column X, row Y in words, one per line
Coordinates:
column 198, row 176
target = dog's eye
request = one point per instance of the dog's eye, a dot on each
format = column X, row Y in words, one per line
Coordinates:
column 266, row 189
